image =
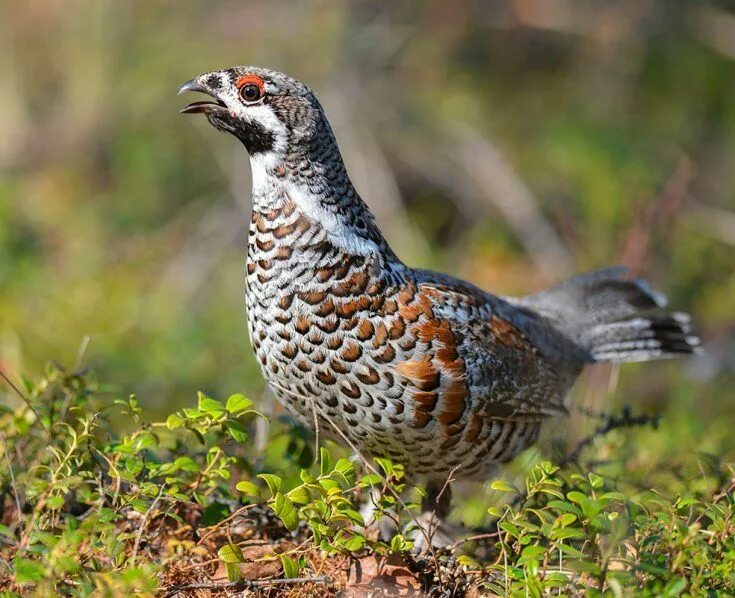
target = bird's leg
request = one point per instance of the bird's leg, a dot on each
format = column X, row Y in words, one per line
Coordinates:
column 438, row 499
column 386, row 526
column 434, row 510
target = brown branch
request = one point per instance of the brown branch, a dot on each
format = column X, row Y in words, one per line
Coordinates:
column 215, row 527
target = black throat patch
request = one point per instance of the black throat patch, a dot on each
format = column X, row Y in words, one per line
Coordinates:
column 256, row 138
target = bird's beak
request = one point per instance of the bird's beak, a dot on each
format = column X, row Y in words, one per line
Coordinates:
column 200, row 107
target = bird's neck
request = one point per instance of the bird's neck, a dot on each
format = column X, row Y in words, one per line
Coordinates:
column 322, row 193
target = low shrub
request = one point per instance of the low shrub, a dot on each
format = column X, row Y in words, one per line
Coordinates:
column 95, row 499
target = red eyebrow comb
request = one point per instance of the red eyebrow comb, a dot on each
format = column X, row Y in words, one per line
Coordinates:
column 250, row 80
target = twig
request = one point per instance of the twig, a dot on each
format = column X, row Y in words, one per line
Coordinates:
column 485, row 536
column 245, row 584
column 719, row 496
column 24, row 399
column 715, row 222
column 221, row 523
column 82, row 351
column 625, row 420
column 435, row 517
column 143, row 525
column 316, row 429
column 12, row 481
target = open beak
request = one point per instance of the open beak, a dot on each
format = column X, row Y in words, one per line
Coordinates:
column 204, row 107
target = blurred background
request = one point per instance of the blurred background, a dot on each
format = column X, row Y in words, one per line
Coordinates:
column 511, row 142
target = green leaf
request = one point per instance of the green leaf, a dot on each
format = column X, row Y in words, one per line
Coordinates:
column 233, row 572
column 187, row 464
column 299, row 495
column 325, row 462
column 248, row 488
column 614, row 496
column 355, row 543
column 28, row 571
column 237, row 430
column 231, row 553
column 238, row 403
column 686, row 502
column 653, row 570
column 284, row 508
column 532, row 552
column 571, row 551
column 107, row 514
column 214, row 513
column 467, row 561
column 564, row 506
column 210, row 406
column 273, row 482
column 510, row 528
column 577, row 497
column 329, row 484
column 346, row 468
column 133, row 465
column 503, row 486
column 566, row 519
column 174, row 421
column 290, row 566
column 353, row 516
column 139, row 505
column 145, row 441
column 400, row 544
column 386, row 465
column 565, row 533
column 596, row 481
column 370, row 479
column 55, row 502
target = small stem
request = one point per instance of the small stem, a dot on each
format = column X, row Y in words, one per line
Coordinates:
column 24, row 399
column 143, row 525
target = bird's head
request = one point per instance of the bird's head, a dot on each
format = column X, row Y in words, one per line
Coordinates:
column 290, row 142
column 266, row 110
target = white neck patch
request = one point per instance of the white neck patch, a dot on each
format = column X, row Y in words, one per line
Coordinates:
column 340, row 231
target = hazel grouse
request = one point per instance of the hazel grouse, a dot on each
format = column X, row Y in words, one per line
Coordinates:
column 417, row 366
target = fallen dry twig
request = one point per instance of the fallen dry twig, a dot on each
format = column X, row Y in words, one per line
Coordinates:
column 244, row 584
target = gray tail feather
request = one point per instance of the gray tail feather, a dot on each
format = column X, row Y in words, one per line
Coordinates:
column 615, row 319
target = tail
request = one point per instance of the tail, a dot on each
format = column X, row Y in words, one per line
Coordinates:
column 615, row 319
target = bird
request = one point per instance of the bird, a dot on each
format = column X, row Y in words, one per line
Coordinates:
column 412, row 365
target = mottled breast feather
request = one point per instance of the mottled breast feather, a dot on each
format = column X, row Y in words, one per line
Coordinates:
column 422, row 369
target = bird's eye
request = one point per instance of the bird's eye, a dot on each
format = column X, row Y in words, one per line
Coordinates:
column 250, row 93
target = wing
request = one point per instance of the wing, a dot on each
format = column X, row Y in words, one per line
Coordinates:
column 483, row 357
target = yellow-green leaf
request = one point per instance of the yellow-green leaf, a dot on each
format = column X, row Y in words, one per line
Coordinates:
column 290, row 566
column 248, row 488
